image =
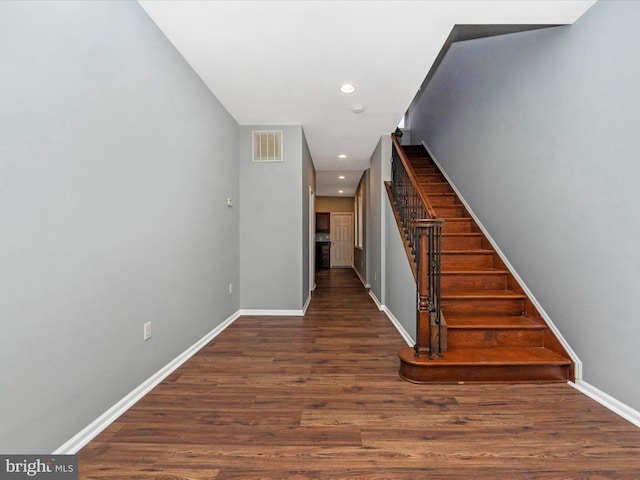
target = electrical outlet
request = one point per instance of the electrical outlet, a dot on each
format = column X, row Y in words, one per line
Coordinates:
column 230, row 288
column 147, row 331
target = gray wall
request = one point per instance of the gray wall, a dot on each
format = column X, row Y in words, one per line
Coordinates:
column 334, row 204
column 539, row 132
column 400, row 286
column 115, row 165
column 272, row 232
column 375, row 223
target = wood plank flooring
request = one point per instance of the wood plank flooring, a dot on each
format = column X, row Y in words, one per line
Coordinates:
column 319, row 397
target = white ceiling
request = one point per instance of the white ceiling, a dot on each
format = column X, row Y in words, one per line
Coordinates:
column 282, row 62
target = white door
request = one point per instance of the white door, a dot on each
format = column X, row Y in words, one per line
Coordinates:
column 341, row 239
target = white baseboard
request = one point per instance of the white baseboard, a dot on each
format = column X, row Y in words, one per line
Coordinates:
column 407, row 338
column 403, row 333
column 574, row 357
column 306, row 304
column 606, row 400
column 375, row 300
column 272, row 313
column 362, row 280
column 88, row 433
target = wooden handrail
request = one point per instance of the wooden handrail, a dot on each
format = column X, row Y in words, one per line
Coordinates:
column 412, row 176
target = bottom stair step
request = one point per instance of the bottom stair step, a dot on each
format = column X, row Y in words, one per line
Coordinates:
column 486, row 365
column 494, row 332
column 514, row 322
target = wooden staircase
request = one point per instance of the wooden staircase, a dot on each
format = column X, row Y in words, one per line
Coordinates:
column 493, row 331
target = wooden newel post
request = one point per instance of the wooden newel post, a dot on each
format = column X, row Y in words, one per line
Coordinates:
column 428, row 285
column 422, row 287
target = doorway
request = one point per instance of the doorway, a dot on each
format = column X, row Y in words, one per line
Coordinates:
column 341, row 240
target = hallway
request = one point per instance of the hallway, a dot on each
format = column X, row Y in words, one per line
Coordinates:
column 319, row 397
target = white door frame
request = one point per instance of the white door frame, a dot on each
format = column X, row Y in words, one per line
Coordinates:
column 312, row 240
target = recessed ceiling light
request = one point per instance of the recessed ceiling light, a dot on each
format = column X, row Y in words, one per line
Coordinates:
column 348, row 88
column 341, row 177
column 342, row 155
column 340, row 191
column 357, row 109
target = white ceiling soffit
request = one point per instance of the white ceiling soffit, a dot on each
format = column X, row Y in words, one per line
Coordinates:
column 282, row 62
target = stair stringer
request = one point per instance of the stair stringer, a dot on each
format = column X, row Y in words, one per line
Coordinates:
column 574, row 357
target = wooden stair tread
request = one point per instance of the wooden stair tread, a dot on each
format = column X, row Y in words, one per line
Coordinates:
column 430, row 167
column 474, row 251
column 471, row 271
column 488, row 356
column 476, row 271
column 482, row 294
column 440, row 195
column 503, row 322
column 462, row 234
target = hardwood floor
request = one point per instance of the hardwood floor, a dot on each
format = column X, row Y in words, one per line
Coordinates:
column 319, row 397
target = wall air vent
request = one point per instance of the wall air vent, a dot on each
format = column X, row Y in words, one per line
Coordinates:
column 267, row 146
